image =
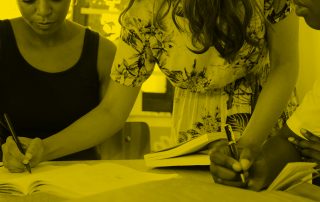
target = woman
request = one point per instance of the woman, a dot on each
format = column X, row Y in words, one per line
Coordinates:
column 53, row 74
column 216, row 54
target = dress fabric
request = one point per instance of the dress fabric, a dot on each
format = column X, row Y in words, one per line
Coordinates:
column 209, row 90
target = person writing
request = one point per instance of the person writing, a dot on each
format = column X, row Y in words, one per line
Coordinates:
column 219, row 65
column 302, row 129
column 53, row 75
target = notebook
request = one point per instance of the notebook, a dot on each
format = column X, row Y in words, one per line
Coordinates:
column 75, row 180
column 292, row 175
column 191, row 153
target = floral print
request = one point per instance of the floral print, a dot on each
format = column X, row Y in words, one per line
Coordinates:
column 210, row 91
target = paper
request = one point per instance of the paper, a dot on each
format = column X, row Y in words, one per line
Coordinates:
column 187, row 160
column 192, row 146
column 76, row 180
column 292, row 174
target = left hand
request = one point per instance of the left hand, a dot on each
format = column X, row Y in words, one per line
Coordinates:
column 309, row 148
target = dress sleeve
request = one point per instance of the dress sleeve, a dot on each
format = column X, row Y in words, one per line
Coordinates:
column 276, row 10
column 134, row 61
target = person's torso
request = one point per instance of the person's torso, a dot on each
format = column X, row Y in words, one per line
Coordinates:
column 42, row 103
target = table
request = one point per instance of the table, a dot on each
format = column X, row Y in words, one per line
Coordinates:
column 195, row 184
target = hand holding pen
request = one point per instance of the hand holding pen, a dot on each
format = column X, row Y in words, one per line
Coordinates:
column 233, row 149
column 15, row 138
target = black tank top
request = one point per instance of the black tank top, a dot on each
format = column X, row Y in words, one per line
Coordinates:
column 39, row 103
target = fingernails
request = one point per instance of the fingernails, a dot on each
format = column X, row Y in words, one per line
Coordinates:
column 25, row 161
column 27, row 158
column 291, row 139
column 237, row 167
column 245, row 164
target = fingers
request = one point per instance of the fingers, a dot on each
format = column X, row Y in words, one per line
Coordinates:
column 310, row 136
column 34, row 152
column 313, row 154
column 246, row 158
column 10, row 162
column 224, row 169
column 309, row 148
column 219, row 172
column 225, row 161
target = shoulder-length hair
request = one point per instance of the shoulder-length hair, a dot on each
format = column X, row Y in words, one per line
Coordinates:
column 219, row 23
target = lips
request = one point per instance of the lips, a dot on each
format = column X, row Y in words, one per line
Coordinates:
column 44, row 25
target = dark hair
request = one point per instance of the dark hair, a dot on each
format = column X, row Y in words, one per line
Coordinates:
column 212, row 22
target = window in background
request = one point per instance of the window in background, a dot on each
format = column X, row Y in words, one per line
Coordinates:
column 102, row 16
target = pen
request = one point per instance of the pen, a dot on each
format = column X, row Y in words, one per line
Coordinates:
column 233, row 148
column 15, row 138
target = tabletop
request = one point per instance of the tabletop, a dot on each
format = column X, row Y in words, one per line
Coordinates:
column 193, row 184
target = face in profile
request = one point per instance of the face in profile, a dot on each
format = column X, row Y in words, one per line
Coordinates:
column 44, row 16
column 310, row 11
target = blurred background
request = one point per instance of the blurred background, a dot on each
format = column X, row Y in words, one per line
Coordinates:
column 154, row 103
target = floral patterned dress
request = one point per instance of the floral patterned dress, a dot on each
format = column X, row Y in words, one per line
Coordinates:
column 209, row 91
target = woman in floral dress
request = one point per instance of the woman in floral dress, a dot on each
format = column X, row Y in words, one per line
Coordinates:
column 215, row 53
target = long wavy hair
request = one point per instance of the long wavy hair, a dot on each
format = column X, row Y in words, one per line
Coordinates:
column 215, row 23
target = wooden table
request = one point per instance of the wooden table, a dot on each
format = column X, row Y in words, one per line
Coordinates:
column 195, row 184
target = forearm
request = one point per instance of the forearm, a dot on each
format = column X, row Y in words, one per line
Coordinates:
column 94, row 127
column 86, row 132
column 282, row 40
column 271, row 103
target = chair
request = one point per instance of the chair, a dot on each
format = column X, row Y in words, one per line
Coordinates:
column 131, row 142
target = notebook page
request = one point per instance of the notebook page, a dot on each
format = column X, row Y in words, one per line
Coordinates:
column 83, row 179
column 22, row 181
column 291, row 173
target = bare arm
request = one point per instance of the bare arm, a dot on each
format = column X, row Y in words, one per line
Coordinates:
column 283, row 45
column 101, row 122
column 94, row 127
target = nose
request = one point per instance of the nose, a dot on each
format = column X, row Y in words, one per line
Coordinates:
column 44, row 8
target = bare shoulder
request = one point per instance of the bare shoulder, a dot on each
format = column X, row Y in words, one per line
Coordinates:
column 106, row 53
column 106, row 47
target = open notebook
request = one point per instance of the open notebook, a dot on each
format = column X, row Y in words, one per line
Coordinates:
column 75, row 180
column 294, row 174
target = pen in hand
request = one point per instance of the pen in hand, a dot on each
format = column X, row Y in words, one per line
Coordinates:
column 233, row 148
column 15, row 138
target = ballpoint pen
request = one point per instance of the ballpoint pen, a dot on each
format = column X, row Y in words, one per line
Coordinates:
column 233, row 148
column 15, row 138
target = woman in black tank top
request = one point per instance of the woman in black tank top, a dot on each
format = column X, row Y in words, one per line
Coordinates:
column 53, row 73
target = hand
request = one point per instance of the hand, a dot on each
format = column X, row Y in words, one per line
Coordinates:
column 224, row 169
column 253, row 163
column 309, row 148
column 14, row 160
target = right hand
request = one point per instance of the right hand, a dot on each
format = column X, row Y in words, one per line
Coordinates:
column 15, row 161
column 224, row 169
